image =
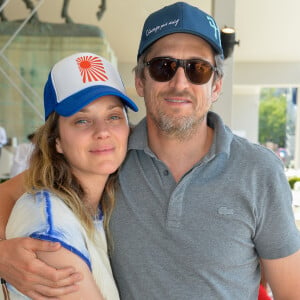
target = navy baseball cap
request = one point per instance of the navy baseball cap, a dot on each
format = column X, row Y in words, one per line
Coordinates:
column 180, row 17
column 79, row 79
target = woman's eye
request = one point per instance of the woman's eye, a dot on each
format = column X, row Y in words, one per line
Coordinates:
column 115, row 117
column 81, row 121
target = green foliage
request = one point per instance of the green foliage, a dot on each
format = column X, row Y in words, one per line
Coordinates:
column 292, row 181
column 272, row 117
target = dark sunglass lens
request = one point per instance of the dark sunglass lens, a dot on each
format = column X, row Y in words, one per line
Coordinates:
column 162, row 69
column 199, row 72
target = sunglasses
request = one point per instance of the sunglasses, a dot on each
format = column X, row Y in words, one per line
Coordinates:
column 163, row 69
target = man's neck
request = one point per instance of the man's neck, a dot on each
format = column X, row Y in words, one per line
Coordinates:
column 180, row 155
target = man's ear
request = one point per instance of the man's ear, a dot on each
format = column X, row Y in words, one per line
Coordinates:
column 139, row 86
column 216, row 89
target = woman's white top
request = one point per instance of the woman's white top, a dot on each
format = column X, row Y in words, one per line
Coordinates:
column 45, row 216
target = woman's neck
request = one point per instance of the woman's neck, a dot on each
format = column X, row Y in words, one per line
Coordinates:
column 93, row 187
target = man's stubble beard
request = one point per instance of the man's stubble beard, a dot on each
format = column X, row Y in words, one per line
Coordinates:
column 180, row 128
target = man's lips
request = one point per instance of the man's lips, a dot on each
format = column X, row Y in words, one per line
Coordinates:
column 178, row 100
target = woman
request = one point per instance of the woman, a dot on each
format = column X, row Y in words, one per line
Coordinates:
column 71, row 179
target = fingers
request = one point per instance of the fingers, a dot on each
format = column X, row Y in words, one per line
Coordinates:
column 36, row 296
column 40, row 288
column 51, row 277
column 43, row 292
column 39, row 245
column 21, row 267
column 65, row 277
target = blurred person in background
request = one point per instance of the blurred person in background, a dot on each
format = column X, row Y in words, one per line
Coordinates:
column 3, row 138
column 22, row 156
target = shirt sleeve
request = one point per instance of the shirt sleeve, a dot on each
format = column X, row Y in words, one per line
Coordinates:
column 44, row 216
column 276, row 234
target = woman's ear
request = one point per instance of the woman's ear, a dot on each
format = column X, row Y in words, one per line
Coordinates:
column 58, row 146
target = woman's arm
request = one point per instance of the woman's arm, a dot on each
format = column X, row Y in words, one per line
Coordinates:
column 62, row 258
column 18, row 261
column 20, row 266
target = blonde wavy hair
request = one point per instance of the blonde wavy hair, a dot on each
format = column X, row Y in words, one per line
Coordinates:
column 50, row 170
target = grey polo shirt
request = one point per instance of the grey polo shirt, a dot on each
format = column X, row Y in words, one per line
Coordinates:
column 200, row 238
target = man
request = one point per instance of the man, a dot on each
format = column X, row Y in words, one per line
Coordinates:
column 198, row 207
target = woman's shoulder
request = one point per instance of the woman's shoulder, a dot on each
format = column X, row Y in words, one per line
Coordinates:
column 41, row 209
column 41, row 199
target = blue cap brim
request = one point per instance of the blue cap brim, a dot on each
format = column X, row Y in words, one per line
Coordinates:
column 77, row 101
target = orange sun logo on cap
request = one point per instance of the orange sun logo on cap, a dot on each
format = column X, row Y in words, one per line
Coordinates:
column 91, row 69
